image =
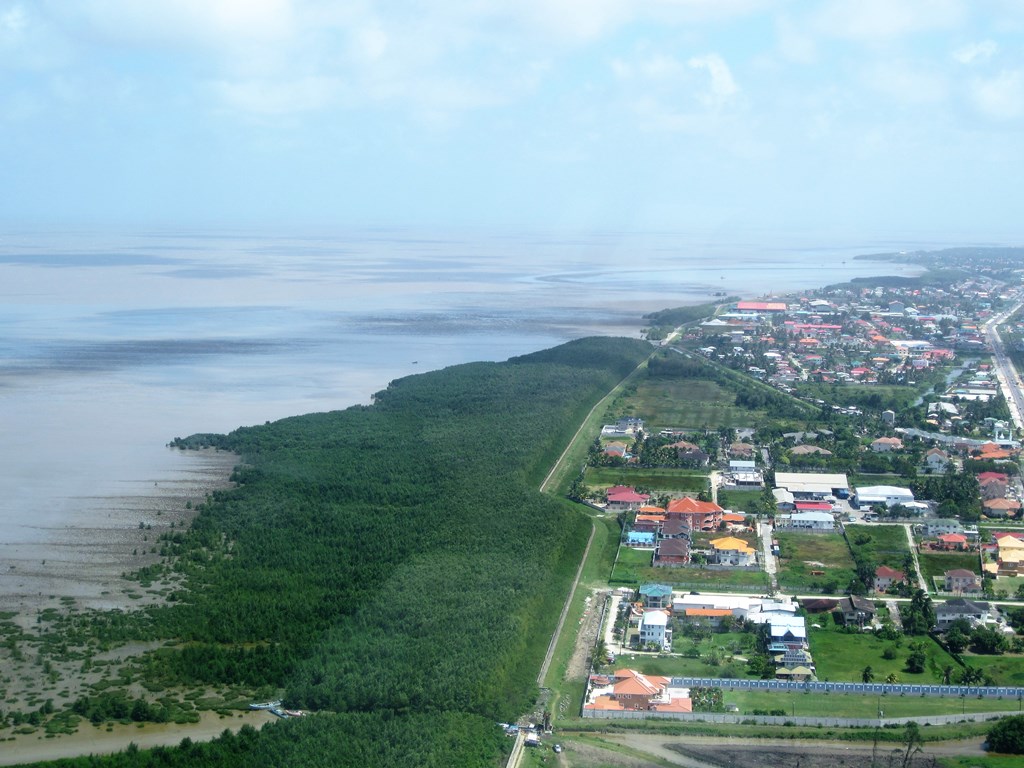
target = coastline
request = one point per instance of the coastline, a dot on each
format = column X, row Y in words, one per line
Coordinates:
column 81, row 565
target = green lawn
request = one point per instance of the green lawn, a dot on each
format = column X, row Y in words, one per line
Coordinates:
column 682, row 663
column 1007, row 669
column 888, row 543
column 690, row 403
column 801, row 553
column 634, row 568
column 934, row 565
column 853, row 705
column 738, row 501
column 842, row 657
column 1008, row 584
column 658, row 479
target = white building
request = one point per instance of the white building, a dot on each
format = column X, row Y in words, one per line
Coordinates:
column 889, row 495
column 654, row 629
column 812, row 485
column 812, row 521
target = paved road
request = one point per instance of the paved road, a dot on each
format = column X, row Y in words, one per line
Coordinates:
column 1006, row 373
column 770, row 564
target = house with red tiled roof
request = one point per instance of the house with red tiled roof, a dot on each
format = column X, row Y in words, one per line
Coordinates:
column 622, row 498
column 1001, row 507
column 885, row 577
column 629, row 690
column 952, row 541
column 701, row 515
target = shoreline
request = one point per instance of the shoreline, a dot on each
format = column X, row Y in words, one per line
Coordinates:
column 82, row 565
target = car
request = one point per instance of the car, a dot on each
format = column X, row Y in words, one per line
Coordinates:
column 557, row 748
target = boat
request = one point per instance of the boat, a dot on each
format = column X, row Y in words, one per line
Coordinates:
column 266, row 705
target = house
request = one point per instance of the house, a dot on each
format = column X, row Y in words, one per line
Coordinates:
column 940, row 526
column 808, row 521
column 701, row 515
column 961, row 608
column 936, row 460
column 732, row 551
column 887, row 444
column 655, row 630
column 623, row 498
column 1001, row 507
column 993, row 485
column 797, row 674
column 627, row 427
column 627, row 689
column 1009, row 555
column 655, row 595
column 695, row 458
column 745, row 474
column 953, row 542
column 648, row 523
column 885, row 577
column 675, row 529
column 741, row 450
column 961, row 581
column 857, row 611
column 809, row 450
column 713, row 616
column 668, row 552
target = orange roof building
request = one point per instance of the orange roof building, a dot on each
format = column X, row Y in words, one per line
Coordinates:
column 701, row 515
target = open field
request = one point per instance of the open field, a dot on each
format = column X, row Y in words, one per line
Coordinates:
column 1007, row 669
column 686, row 577
column 1008, row 585
column 839, row 705
column 888, row 543
column 802, row 553
column 841, row 657
column 738, row 501
column 657, row 479
column 934, row 565
column 692, row 403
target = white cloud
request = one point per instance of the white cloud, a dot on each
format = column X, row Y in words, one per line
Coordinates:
column 1001, row 97
column 907, row 84
column 277, row 97
column 794, row 44
column 874, row 21
column 12, row 21
column 976, row 52
column 722, row 86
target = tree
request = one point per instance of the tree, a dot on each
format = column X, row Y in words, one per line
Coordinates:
column 919, row 614
column 917, row 659
column 867, row 674
column 1007, row 736
column 956, row 640
column 912, row 739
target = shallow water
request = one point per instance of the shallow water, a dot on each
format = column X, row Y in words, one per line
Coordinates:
column 111, row 346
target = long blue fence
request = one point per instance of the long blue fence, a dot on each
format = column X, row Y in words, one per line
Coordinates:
column 872, row 689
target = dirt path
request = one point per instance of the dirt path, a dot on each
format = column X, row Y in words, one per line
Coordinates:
column 735, row 752
column 90, row 740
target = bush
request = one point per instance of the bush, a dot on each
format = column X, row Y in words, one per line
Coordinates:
column 1007, row 736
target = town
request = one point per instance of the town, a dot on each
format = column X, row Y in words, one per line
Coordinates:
column 819, row 493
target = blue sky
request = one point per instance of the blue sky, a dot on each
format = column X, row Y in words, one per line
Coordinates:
column 873, row 117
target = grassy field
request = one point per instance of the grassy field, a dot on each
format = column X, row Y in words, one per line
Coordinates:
column 634, row 568
column 802, row 553
column 738, row 501
column 1008, row 585
column 657, row 479
column 841, row 705
column 842, row 657
column 934, row 565
column 1007, row 669
column 724, row 645
column 692, row 403
column 888, row 542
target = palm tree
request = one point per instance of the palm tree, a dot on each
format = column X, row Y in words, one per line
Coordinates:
column 892, row 678
column 867, row 675
column 947, row 674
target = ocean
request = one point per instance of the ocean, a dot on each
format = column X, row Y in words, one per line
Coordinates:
column 114, row 345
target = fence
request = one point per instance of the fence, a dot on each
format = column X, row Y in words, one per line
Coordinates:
column 873, row 689
column 839, row 722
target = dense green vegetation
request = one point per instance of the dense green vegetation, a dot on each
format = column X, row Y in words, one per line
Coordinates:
column 351, row 740
column 665, row 320
column 394, row 559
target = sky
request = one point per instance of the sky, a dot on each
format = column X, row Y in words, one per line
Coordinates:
column 865, row 117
